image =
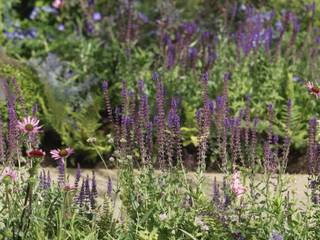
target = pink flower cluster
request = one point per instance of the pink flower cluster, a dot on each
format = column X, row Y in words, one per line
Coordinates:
column 237, row 188
column 8, row 172
column 313, row 90
column 57, row 4
column 29, row 125
column 61, row 154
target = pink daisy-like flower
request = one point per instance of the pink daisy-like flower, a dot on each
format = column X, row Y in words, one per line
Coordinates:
column 314, row 90
column 9, row 172
column 69, row 187
column 29, row 125
column 57, row 4
column 237, row 188
column 58, row 154
column 36, row 153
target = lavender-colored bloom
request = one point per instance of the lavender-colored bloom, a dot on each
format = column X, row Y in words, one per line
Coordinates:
column 96, row 16
column 41, row 180
column 34, row 13
column 32, row 33
column 107, row 101
column 192, row 55
column 166, row 40
column 81, row 197
column 215, row 192
column 61, row 173
column 48, row 182
column 60, row 27
column 143, row 17
column 78, row 175
column 89, row 27
column 279, row 26
column 87, row 192
column 227, row 199
column 155, row 76
column 109, row 187
column 94, row 190
column 12, row 125
column 275, row 236
column 20, row 96
column 2, row 146
column 49, row 9
column 189, row 28
column 90, row 3
column 171, row 56
column 312, row 147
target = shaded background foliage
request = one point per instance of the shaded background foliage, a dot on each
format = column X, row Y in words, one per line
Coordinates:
column 69, row 52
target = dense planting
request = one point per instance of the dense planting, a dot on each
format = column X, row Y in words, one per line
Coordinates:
column 192, row 86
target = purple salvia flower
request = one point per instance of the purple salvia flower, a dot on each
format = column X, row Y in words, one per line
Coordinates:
column 192, row 56
column 215, row 192
column 270, row 118
column 78, row 175
column 268, row 158
column 81, row 197
column 12, row 125
column 20, row 97
column 109, row 187
column 286, row 144
column 90, row 3
column 2, row 146
column 143, row 17
column 254, row 140
column 275, row 236
column 155, row 76
column 87, row 192
column 61, row 173
column 149, row 140
column 48, row 182
column 34, row 110
column 161, row 122
column 96, row 16
column 226, row 193
column 238, row 135
column 41, row 181
column 268, row 35
column 107, row 101
column 312, row 147
column 171, row 56
column 44, row 179
column 94, row 185
column 247, row 119
column 92, row 201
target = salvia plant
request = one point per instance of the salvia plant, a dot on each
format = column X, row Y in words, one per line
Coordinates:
column 235, row 94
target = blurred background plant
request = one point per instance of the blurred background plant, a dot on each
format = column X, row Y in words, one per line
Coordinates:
column 269, row 48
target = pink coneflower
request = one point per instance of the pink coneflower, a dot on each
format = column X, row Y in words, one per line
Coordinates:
column 29, row 125
column 9, row 172
column 236, row 185
column 58, row 154
column 36, row 153
column 57, row 4
column 314, row 90
column 69, row 187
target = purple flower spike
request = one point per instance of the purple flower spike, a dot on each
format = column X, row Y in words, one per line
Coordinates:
column 60, row 27
column 94, row 185
column 109, row 187
column 78, row 175
column 1, row 141
column 215, row 192
column 96, row 16
column 61, row 173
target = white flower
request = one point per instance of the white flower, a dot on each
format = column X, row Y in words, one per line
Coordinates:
column 163, row 217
